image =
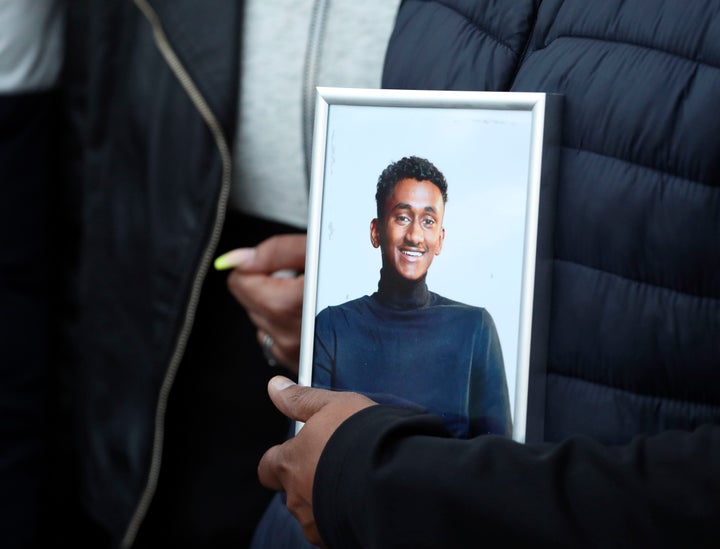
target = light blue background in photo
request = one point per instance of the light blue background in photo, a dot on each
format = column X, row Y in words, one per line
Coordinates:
column 484, row 155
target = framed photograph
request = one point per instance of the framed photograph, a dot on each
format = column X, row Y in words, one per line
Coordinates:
column 428, row 271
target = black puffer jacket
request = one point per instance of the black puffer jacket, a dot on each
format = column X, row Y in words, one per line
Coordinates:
column 635, row 328
column 635, row 324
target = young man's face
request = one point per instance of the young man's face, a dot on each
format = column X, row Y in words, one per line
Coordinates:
column 411, row 234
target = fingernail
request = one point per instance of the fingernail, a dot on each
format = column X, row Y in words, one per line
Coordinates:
column 285, row 273
column 234, row 258
column 279, row 383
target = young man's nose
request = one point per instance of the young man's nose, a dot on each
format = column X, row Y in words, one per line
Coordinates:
column 415, row 233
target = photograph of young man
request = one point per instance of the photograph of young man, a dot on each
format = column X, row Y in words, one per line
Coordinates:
column 405, row 344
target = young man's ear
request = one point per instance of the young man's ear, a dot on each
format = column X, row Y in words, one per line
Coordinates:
column 440, row 241
column 374, row 233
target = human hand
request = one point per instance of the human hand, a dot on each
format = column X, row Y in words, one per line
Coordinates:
column 290, row 467
column 263, row 281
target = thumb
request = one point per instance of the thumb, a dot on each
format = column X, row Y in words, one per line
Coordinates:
column 295, row 401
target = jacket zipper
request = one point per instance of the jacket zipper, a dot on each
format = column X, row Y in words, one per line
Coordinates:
column 312, row 66
column 201, row 105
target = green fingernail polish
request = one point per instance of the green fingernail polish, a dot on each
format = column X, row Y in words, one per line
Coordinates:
column 222, row 263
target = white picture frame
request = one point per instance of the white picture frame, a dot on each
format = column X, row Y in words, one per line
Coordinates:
column 497, row 151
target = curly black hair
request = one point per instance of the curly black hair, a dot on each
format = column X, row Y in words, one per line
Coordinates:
column 409, row 167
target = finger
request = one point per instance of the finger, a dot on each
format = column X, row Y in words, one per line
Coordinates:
column 270, row 295
column 311, row 533
column 234, row 258
column 303, row 513
column 281, row 320
column 268, row 467
column 285, row 333
column 281, row 349
column 296, row 402
column 281, row 253
column 284, row 354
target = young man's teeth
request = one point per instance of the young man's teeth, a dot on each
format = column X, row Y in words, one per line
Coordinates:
column 412, row 254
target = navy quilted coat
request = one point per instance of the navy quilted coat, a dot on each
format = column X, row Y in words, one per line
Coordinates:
column 635, row 328
column 633, row 374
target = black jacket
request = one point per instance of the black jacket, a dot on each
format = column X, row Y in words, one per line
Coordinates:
column 634, row 344
column 152, row 88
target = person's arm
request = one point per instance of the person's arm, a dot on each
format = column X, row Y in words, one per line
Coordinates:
column 263, row 281
column 387, row 478
column 489, row 401
column 323, row 356
column 374, row 476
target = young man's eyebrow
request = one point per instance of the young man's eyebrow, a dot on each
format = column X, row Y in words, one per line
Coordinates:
column 406, row 206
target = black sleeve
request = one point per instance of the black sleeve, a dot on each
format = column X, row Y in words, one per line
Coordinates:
column 391, row 478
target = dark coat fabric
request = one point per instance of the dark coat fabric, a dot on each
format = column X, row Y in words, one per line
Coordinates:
column 633, row 370
column 29, row 239
column 161, row 346
column 635, row 327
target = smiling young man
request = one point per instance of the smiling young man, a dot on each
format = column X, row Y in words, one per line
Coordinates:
column 404, row 343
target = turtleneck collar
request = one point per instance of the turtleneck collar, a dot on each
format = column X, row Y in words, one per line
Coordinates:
column 397, row 292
